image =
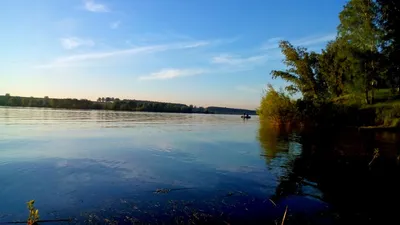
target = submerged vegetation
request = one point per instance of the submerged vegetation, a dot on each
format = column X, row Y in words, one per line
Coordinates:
column 354, row 81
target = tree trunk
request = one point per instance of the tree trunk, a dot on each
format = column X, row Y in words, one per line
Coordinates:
column 366, row 96
column 372, row 95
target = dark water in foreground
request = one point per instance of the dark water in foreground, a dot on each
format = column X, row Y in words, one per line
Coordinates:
column 103, row 167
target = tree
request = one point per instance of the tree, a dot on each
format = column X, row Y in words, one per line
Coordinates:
column 102, row 99
column 276, row 107
column 99, row 99
column 359, row 28
column 46, row 101
column 340, row 68
column 302, row 73
column 389, row 21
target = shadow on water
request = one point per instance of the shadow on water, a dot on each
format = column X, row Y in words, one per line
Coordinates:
column 333, row 167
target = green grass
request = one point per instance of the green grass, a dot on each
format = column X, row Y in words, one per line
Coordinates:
column 384, row 98
column 386, row 104
column 385, row 94
column 386, row 107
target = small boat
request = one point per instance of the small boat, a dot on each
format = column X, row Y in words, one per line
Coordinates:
column 246, row 117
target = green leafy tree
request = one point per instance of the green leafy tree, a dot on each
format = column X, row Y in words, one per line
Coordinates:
column 333, row 68
column 389, row 21
column 340, row 68
column 359, row 27
column 302, row 71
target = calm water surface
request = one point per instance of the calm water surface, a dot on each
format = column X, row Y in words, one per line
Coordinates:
column 96, row 165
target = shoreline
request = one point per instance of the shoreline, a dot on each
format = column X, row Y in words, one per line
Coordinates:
column 379, row 128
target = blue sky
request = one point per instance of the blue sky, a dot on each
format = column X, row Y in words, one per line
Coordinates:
column 209, row 52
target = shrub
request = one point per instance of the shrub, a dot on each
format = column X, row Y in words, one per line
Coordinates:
column 388, row 116
column 276, row 107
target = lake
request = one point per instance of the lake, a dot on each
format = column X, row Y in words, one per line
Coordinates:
column 129, row 167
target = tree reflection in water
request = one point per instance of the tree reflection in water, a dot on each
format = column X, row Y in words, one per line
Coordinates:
column 331, row 167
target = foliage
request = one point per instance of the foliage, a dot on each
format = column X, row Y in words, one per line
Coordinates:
column 276, row 107
column 302, row 72
column 389, row 21
column 111, row 103
column 33, row 217
column 340, row 68
column 360, row 29
column 355, row 69
column 388, row 115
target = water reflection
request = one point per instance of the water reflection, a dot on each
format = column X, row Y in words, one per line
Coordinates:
column 331, row 168
column 282, row 147
column 278, row 142
column 109, row 164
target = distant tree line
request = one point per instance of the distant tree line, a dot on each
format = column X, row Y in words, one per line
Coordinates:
column 224, row 110
column 111, row 103
column 108, row 103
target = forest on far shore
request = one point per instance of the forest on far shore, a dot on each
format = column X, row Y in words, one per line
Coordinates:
column 111, row 103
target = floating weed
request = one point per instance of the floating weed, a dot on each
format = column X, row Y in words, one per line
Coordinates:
column 167, row 190
column 110, row 222
column 162, row 191
column 229, row 194
column 133, row 220
column 236, row 193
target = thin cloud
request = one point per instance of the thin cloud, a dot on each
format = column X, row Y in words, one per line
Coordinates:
column 171, row 73
column 248, row 89
column 115, row 25
column 92, row 6
column 197, row 44
column 74, row 42
column 226, row 40
column 237, row 60
column 308, row 41
column 274, row 40
column 65, row 61
column 169, row 36
column 273, row 43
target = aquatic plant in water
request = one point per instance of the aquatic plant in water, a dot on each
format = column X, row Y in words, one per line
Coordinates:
column 33, row 213
column 375, row 156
